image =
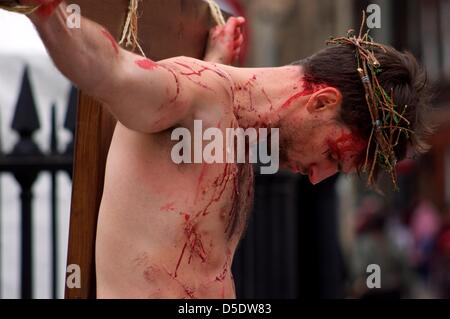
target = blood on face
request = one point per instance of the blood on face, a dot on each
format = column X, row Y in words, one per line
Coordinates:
column 347, row 147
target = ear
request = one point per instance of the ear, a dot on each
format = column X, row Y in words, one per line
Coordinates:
column 325, row 99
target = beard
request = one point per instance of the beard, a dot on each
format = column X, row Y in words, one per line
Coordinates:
column 283, row 148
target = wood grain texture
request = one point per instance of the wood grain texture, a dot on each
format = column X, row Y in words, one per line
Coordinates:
column 167, row 28
column 94, row 129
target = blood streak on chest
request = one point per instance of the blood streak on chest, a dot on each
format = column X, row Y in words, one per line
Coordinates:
column 200, row 190
column 193, row 242
column 233, row 175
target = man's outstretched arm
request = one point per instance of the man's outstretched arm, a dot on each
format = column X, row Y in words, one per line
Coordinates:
column 144, row 95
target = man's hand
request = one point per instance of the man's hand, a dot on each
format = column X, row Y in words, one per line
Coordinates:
column 224, row 43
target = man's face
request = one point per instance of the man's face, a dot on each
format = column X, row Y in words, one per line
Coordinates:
column 317, row 144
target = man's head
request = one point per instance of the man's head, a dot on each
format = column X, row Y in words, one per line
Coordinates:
column 335, row 125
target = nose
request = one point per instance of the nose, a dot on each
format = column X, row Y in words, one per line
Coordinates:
column 318, row 173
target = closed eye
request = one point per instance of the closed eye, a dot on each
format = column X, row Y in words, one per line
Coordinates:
column 330, row 156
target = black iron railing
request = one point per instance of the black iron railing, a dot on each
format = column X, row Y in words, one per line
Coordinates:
column 25, row 162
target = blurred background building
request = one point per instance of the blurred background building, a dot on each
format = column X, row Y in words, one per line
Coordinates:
column 303, row 241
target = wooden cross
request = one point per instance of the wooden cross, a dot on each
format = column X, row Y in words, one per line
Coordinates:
column 167, row 28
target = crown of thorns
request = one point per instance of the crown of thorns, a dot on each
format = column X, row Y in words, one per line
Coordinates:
column 388, row 122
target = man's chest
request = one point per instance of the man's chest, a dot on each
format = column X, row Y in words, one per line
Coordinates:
column 218, row 191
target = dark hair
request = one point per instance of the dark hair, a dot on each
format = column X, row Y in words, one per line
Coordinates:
column 400, row 74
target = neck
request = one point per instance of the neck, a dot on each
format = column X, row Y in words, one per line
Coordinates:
column 264, row 97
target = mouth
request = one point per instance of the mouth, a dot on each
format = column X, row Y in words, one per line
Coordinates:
column 301, row 169
column 297, row 168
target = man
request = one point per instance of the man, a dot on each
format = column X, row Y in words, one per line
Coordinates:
column 170, row 230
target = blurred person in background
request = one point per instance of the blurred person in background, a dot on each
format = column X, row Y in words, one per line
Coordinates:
column 374, row 245
column 440, row 263
column 424, row 225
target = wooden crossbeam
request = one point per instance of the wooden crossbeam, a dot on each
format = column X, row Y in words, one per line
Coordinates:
column 167, row 28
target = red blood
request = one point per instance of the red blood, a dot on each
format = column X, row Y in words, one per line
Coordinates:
column 177, row 84
column 200, row 180
column 268, row 99
column 196, row 245
column 240, row 173
column 308, row 89
column 179, row 260
column 193, row 72
column 247, row 86
column 111, row 39
column 291, row 99
column 196, row 73
column 231, row 173
column 219, row 185
column 193, row 239
column 199, row 73
column 225, row 267
column 225, row 270
column 168, row 207
column 146, row 64
column 347, row 144
column 189, row 291
column 46, row 8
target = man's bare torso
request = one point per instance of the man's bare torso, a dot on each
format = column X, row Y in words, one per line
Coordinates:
column 170, row 230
